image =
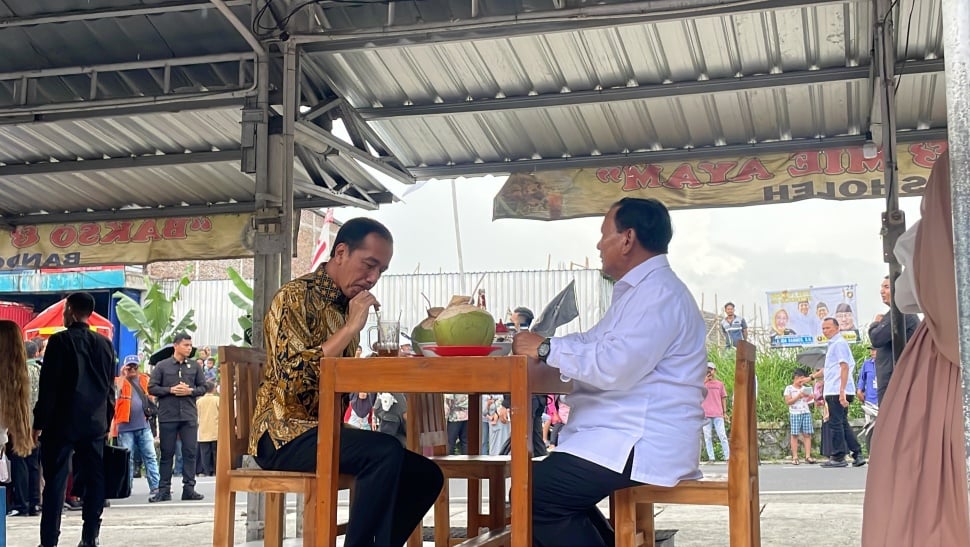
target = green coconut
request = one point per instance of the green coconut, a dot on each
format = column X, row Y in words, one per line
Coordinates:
column 464, row 325
column 424, row 331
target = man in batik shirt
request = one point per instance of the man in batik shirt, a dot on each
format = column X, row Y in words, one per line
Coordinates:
column 318, row 315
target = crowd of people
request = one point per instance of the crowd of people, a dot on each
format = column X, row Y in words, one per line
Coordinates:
column 61, row 403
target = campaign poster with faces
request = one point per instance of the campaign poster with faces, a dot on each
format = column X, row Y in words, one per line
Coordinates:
column 795, row 315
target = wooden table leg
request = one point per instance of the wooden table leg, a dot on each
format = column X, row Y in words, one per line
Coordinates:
column 521, row 446
column 328, row 461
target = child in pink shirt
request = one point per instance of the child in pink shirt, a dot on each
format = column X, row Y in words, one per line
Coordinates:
column 715, row 407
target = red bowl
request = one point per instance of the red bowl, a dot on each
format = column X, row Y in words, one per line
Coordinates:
column 462, row 351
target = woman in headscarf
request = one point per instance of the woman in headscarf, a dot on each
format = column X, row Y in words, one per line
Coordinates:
column 15, row 416
column 360, row 412
column 916, row 490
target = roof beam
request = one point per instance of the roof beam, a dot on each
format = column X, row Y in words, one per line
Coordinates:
column 337, row 198
column 321, row 141
column 137, row 213
column 116, row 108
column 114, row 12
column 134, row 162
column 537, row 22
column 679, row 154
column 659, row 91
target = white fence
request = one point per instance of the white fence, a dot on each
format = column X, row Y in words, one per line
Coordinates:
column 400, row 295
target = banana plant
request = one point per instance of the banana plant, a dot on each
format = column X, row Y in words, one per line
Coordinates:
column 244, row 301
column 153, row 321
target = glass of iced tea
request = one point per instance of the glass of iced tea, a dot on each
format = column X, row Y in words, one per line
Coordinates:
column 388, row 338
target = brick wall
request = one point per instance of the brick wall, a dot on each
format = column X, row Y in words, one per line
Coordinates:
column 310, row 225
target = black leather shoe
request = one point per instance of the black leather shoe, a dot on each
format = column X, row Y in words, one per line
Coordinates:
column 89, row 543
column 191, row 495
column 834, row 463
column 160, row 496
column 859, row 462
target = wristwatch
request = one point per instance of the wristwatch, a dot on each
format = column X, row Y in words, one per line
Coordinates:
column 543, row 350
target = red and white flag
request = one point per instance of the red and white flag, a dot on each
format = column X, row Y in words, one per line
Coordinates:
column 322, row 251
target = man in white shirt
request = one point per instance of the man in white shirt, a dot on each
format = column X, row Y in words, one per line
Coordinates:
column 838, row 371
column 638, row 384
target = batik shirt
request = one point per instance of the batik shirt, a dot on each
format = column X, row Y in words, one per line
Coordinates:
column 33, row 373
column 456, row 407
column 305, row 312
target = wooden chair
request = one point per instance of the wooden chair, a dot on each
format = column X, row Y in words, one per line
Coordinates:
column 632, row 508
column 429, row 436
column 241, row 370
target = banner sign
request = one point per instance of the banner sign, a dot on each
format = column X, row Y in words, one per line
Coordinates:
column 834, row 173
column 45, row 246
column 795, row 315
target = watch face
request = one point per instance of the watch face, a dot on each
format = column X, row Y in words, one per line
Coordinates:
column 543, row 350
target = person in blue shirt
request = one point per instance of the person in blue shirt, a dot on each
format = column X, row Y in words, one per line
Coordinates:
column 867, row 387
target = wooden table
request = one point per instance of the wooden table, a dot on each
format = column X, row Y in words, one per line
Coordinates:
column 514, row 375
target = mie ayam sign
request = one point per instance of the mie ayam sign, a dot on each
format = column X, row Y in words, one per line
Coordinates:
column 125, row 242
column 834, row 173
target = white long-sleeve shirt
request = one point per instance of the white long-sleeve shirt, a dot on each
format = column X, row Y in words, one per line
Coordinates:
column 638, row 379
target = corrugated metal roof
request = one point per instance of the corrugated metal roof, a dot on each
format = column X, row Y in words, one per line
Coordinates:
column 114, row 40
column 834, row 35
column 198, row 184
column 122, row 136
column 619, row 127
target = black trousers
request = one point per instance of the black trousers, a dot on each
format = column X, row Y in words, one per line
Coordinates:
column 394, row 487
column 207, row 458
column 25, row 475
column 565, row 492
column 843, row 439
column 167, row 433
column 458, row 437
column 55, row 457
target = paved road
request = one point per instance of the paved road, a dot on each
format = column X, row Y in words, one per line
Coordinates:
column 775, row 479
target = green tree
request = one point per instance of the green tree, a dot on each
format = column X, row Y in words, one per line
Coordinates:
column 244, row 301
column 153, row 321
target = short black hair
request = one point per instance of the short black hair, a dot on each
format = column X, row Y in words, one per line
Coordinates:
column 799, row 372
column 353, row 232
column 181, row 336
column 729, row 304
column 527, row 315
column 843, row 308
column 649, row 220
column 31, row 349
column 210, row 386
column 82, row 304
column 832, row 319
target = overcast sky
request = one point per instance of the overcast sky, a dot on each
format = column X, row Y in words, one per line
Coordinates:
column 736, row 254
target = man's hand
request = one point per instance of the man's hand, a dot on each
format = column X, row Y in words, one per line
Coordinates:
column 877, row 318
column 859, row 394
column 181, row 389
column 526, row 343
column 843, row 401
column 359, row 308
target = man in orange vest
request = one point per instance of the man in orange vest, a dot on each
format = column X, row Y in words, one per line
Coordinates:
column 133, row 407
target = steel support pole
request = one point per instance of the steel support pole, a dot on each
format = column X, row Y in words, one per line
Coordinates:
column 291, row 109
column 893, row 220
column 956, row 46
column 266, row 262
